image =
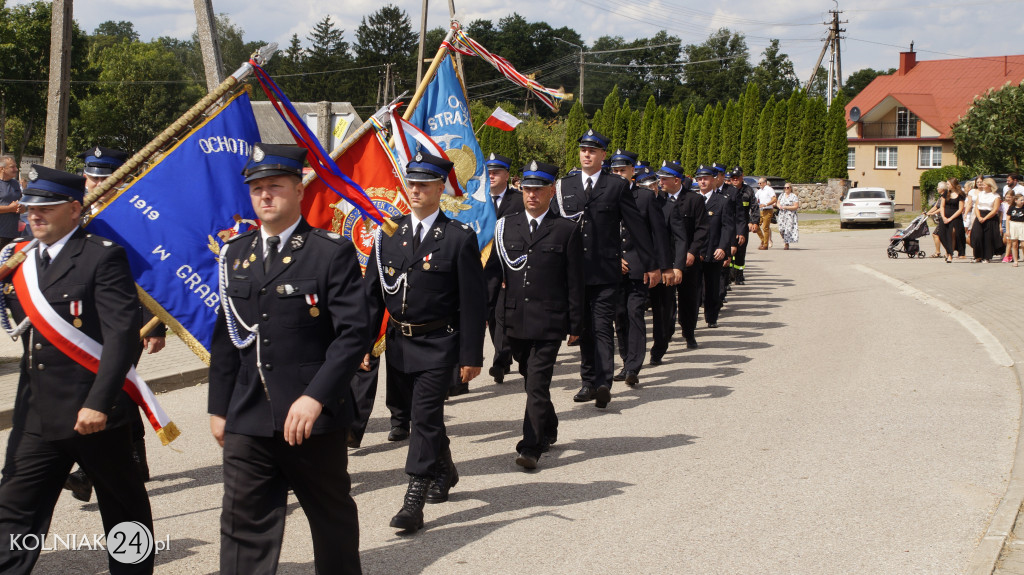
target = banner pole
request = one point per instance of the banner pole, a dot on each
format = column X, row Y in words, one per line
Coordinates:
column 441, row 51
column 179, row 125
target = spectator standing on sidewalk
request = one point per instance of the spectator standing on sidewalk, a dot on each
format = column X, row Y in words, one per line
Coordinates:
column 10, row 196
column 952, row 222
column 1016, row 226
column 766, row 201
column 789, row 227
column 1013, row 185
column 986, row 241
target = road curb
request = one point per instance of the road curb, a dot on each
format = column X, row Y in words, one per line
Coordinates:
column 159, row 384
column 986, row 554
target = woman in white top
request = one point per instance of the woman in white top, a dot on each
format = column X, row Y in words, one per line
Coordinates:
column 986, row 238
column 970, row 197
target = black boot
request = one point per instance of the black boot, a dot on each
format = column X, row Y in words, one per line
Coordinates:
column 740, row 280
column 80, row 486
column 445, row 478
column 410, row 516
column 139, row 457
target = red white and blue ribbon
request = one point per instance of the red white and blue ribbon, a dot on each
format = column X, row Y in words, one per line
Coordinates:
column 318, row 158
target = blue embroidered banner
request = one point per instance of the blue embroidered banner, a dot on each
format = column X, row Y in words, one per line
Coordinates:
column 444, row 115
column 174, row 218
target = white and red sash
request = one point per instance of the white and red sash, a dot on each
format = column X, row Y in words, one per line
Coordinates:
column 86, row 351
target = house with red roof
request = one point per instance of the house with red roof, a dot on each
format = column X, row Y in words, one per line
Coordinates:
column 901, row 124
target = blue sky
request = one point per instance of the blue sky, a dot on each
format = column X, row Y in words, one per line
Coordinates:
column 877, row 30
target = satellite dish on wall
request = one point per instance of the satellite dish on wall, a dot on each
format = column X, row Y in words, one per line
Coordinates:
column 855, row 114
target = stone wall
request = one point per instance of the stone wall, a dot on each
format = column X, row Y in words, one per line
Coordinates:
column 821, row 196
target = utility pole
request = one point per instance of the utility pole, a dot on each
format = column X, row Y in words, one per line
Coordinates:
column 835, row 66
column 206, row 26
column 581, row 76
column 423, row 38
column 59, row 89
column 581, row 64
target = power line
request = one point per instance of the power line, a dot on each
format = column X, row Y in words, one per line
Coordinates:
column 23, row 81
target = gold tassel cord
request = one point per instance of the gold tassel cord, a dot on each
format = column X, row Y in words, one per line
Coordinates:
column 168, row 433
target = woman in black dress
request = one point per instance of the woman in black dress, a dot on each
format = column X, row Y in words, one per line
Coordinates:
column 952, row 222
column 986, row 238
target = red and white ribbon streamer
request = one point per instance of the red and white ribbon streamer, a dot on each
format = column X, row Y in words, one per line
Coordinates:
column 400, row 127
column 83, row 349
column 467, row 46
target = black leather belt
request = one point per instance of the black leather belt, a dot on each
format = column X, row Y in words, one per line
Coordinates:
column 411, row 329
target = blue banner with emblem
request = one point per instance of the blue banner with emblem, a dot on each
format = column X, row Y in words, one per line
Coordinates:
column 444, row 115
column 175, row 216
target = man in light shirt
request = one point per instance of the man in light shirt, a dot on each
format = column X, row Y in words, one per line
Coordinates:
column 766, row 201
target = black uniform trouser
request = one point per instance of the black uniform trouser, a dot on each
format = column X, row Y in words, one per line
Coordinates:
column 631, row 325
column 398, row 398
column 34, row 474
column 502, row 348
column 740, row 259
column 663, row 318
column 712, row 272
column 364, row 393
column 689, row 291
column 426, row 391
column 258, row 471
column 540, row 421
column 723, row 283
column 597, row 343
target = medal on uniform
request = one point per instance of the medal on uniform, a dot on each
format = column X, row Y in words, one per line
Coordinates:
column 252, row 257
column 312, row 300
column 245, row 264
column 426, row 261
column 76, row 310
column 8, row 288
column 390, row 271
column 286, row 260
column 235, row 265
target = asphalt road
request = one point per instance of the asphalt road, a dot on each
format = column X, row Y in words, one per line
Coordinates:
column 835, row 422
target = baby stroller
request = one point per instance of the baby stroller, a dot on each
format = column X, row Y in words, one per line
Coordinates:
column 905, row 240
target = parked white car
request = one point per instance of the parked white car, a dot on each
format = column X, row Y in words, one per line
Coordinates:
column 866, row 205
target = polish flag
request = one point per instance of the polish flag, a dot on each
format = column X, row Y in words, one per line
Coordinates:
column 502, row 120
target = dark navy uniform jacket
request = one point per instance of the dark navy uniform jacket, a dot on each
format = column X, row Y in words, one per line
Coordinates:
column 740, row 213
column 688, row 224
column 720, row 214
column 544, row 299
column 297, row 352
column 53, row 387
column 651, row 209
column 608, row 206
column 511, row 202
column 445, row 281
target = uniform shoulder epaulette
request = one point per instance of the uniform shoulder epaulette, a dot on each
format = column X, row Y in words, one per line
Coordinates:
column 400, row 219
column 100, row 240
column 237, row 237
column 332, row 236
column 620, row 176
